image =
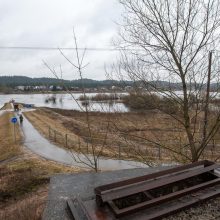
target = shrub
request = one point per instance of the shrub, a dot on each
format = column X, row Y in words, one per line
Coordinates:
column 105, row 97
column 168, row 105
column 100, row 97
column 83, row 98
column 143, row 101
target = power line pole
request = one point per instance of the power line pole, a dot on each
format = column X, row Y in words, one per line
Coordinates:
column 206, row 109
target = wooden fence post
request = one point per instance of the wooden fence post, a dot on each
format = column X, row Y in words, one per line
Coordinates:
column 49, row 132
column 66, row 143
column 159, row 152
column 119, row 151
column 79, row 144
column 213, row 143
column 55, row 136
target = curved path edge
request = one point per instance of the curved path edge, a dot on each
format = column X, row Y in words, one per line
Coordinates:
column 41, row 146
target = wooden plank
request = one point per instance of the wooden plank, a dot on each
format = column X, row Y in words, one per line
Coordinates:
column 157, row 215
column 133, row 189
column 78, row 209
column 101, row 189
column 132, row 209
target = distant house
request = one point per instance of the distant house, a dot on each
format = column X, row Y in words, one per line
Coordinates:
column 22, row 88
column 59, row 88
column 51, row 87
column 114, row 88
column 28, row 88
column 36, row 88
column 103, row 89
column 128, row 88
column 43, row 87
column 55, row 88
column 74, row 88
column 39, row 88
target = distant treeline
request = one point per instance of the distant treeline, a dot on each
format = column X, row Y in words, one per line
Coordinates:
column 13, row 81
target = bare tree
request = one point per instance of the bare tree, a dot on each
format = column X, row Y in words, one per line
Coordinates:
column 172, row 41
column 90, row 158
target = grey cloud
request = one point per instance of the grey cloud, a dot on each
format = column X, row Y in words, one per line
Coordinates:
column 49, row 24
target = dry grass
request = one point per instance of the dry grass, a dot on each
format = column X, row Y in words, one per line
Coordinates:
column 26, row 174
column 42, row 120
column 151, row 125
column 17, row 182
column 77, row 131
column 29, row 208
column 75, row 122
column 8, row 146
column 130, row 131
column 7, row 106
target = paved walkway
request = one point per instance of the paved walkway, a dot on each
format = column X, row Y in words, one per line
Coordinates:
column 69, row 186
column 40, row 145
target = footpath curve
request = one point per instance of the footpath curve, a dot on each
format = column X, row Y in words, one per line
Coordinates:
column 34, row 141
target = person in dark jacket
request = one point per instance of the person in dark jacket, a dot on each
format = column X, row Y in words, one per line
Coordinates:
column 21, row 118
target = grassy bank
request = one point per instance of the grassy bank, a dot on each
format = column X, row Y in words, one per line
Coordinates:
column 9, row 147
column 149, row 136
column 6, row 106
column 123, row 134
column 57, row 128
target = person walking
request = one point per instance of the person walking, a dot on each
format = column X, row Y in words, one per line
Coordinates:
column 21, row 118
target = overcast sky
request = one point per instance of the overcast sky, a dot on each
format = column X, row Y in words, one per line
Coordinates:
column 49, row 23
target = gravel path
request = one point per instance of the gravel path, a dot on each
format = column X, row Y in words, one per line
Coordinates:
column 209, row 210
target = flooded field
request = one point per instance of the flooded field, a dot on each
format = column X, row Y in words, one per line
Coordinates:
column 68, row 102
column 63, row 101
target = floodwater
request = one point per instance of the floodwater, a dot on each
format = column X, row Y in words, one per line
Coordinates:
column 40, row 145
column 66, row 101
column 63, row 101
